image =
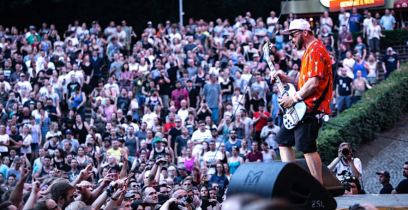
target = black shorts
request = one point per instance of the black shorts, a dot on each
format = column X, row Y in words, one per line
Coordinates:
column 303, row 136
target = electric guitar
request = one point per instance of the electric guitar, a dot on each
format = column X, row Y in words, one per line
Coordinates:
column 292, row 115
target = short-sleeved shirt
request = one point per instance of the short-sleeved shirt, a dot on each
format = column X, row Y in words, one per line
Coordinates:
column 387, row 189
column 387, row 21
column 211, row 94
column 262, row 121
column 316, row 62
column 255, row 156
column 402, row 187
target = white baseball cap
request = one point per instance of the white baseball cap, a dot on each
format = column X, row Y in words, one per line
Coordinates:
column 297, row 24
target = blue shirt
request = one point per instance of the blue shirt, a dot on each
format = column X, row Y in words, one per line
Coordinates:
column 360, row 67
column 355, row 22
column 212, row 93
column 387, row 22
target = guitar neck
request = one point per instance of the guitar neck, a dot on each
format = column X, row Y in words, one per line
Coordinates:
column 278, row 81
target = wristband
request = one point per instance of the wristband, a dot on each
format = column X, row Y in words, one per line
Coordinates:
column 294, row 99
column 297, row 95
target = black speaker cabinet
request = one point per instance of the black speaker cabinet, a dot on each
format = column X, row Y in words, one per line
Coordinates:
column 330, row 181
column 281, row 180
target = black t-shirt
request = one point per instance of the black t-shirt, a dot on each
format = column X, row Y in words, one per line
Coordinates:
column 192, row 94
column 52, row 110
column 255, row 103
column 172, row 72
column 165, row 87
column 225, row 86
column 402, row 187
column 343, row 85
column 72, row 87
column 181, row 142
column 203, row 115
column 17, row 138
column 123, row 103
column 87, row 68
column 387, row 189
column 174, row 132
column 390, row 62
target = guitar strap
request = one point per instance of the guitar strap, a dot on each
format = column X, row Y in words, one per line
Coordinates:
column 319, row 101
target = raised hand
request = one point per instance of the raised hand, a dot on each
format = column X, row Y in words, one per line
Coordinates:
column 86, row 172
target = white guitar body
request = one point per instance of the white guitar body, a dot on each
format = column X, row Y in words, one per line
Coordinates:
column 292, row 115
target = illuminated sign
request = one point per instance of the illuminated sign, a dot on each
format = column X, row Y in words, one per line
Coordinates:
column 325, row 3
column 335, row 5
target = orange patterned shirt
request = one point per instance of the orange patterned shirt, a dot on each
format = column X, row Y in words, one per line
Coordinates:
column 316, row 62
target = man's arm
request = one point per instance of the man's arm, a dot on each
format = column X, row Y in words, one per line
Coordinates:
column 384, row 68
column 16, row 196
column 309, row 87
column 33, row 196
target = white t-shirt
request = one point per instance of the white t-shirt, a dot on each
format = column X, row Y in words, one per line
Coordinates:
column 340, row 167
column 149, row 119
column 27, row 140
column 212, row 156
column 374, row 32
column 4, row 138
column 367, row 23
column 348, row 63
column 372, row 69
column 24, row 86
column 183, row 114
column 198, row 138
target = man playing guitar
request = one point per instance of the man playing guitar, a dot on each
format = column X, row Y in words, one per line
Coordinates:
column 315, row 89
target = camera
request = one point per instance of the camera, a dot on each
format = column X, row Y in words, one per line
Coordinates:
column 345, row 152
column 346, row 179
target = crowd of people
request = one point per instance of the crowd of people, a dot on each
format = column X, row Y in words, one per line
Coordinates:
column 97, row 117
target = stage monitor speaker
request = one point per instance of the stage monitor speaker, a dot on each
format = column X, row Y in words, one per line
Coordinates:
column 330, row 181
column 281, row 180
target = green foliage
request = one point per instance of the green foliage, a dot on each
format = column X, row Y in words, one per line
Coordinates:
column 378, row 110
column 392, row 38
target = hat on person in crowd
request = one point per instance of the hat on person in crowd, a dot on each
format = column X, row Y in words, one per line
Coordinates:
column 270, row 119
column 149, row 22
column 171, row 168
column 68, row 131
column 384, row 173
column 158, row 139
column 164, row 141
column 32, row 27
column 297, row 25
column 255, row 55
column 181, row 167
column 389, row 49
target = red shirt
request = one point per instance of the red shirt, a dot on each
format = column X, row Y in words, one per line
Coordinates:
column 168, row 126
column 262, row 121
column 316, row 62
column 177, row 95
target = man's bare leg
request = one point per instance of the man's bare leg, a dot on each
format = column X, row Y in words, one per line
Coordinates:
column 287, row 154
column 315, row 165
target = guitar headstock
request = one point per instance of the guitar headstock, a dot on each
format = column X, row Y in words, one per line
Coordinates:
column 265, row 50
